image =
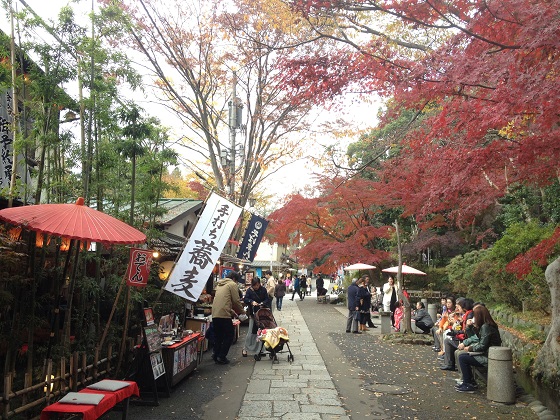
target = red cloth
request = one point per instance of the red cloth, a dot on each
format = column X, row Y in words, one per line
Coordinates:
column 92, row 412
column 183, row 341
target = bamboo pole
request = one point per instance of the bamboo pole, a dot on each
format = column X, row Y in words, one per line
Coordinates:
column 125, row 330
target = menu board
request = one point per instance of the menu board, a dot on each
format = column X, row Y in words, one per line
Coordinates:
column 157, row 364
column 153, row 338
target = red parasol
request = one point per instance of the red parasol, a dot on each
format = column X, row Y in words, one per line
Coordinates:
column 74, row 221
column 77, row 222
column 406, row 269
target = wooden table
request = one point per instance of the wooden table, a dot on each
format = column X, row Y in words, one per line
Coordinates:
column 92, row 412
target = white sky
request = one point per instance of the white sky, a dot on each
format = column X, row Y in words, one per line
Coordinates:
column 357, row 114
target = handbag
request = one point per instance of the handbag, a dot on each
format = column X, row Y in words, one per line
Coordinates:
column 356, row 315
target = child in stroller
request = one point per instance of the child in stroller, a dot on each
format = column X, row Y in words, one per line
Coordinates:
column 273, row 338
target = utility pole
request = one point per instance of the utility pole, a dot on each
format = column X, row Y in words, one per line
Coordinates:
column 235, row 118
column 232, row 127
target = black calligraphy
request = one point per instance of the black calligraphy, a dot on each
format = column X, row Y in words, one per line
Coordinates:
column 204, row 253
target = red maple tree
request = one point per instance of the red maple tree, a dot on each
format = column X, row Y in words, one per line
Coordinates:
column 338, row 226
column 489, row 90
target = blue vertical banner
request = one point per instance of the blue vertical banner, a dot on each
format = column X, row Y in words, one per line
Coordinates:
column 253, row 236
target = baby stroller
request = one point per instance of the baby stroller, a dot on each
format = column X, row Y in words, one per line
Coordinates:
column 273, row 338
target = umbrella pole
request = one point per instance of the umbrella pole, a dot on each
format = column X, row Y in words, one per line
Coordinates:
column 58, row 287
column 125, row 329
column 68, row 317
column 108, row 324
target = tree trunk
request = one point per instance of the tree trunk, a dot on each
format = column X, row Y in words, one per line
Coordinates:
column 547, row 363
column 406, row 323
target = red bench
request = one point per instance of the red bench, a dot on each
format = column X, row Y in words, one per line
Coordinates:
column 92, row 412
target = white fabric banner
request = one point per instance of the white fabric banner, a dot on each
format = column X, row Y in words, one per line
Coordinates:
column 204, row 248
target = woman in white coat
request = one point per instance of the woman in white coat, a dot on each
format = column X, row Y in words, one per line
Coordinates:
column 390, row 297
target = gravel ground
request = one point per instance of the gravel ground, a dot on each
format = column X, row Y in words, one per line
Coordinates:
column 387, row 380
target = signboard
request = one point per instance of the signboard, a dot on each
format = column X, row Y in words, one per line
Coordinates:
column 7, row 148
column 138, row 267
column 203, row 250
column 226, row 271
column 149, row 316
column 252, row 238
column 249, row 275
column 157, row 364
column 153, row 339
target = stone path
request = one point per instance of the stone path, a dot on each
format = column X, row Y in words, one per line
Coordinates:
column 302, row 389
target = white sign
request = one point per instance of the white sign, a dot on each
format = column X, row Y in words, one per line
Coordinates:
column 204, row 248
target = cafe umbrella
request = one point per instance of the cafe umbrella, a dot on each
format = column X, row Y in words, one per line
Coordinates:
column 359, row 266
column 406, row 269
column 76, row 222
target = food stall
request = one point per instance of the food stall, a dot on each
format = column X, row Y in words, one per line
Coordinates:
column 180, row 357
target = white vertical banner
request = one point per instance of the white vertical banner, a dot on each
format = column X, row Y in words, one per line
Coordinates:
column 204, row 248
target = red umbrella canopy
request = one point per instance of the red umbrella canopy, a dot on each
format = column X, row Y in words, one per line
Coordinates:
column 406, row 269
column 74, row 221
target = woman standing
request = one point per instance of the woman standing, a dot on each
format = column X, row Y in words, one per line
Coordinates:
column 477, row 347
column 256, row 297
column 279, row 293
column 390, row 298
column 364, row 297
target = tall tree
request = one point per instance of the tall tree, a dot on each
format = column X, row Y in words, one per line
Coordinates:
column 193, row 49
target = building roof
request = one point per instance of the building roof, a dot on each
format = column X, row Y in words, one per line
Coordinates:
column 177, row 208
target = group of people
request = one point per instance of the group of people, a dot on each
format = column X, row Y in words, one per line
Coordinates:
column 230, row 302
column 359, row 298
column 463, row 334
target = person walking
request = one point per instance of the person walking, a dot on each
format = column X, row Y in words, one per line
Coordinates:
column 302, row 287
column 270, row 286
column 296, row 287
column 353, row 308
column 226, row 305
column 279, row 293
column 256, row 297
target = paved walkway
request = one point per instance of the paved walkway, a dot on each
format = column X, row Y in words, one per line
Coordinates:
column 334, row 375
column 302, row 389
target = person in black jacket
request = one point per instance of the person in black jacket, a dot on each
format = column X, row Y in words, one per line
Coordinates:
column 256, row 297
column 422, row 318
column 353, row 307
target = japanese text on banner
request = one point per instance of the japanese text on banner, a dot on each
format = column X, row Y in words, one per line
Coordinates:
column 138, row 267
column 204, row 248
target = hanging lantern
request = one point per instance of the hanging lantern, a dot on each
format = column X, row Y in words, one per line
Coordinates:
column 15, row 233
column 64, row 244
column 41, row 240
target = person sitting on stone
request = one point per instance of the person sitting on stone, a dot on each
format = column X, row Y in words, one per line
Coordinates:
column 422, row 318
column 477, row 356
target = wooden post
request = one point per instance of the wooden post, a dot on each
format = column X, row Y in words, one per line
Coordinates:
column 95, row 364
column 63, row 383
column 109, row 356
column 83, row 376
column 7, row 392
column 74, row 372
column 48, row 381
